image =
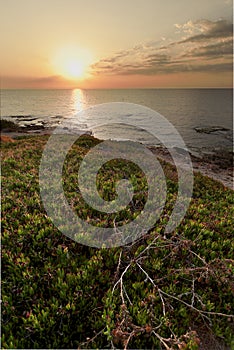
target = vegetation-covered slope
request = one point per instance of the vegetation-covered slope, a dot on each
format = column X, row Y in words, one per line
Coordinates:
column 174, row 291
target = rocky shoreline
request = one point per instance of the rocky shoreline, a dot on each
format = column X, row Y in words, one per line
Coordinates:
column 217, row 165
column 214, row 166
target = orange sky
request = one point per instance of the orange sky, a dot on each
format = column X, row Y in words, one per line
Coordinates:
column 124, row 44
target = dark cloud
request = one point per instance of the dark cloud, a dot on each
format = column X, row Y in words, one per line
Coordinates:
column 207, row 47
column 157, row 58
column 212, row 30
column 220, row 49
column 174, row 67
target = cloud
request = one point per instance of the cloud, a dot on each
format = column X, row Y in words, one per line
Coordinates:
column 53, row 81
column 210, row 30
column 221, row 49
column 203, row 46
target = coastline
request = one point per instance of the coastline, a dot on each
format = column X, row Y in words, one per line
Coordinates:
column 219, row 167
column 207, row 166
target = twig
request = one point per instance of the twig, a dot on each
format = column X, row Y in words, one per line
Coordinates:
column 162, row 340
column 119, row 263
column 148, row 247
column 119, row 280
column 193, row 292
column 92, row 339
column 127, row 295
column 163, row 304
column 194, row 308
column 202, row 259
column 148, row 277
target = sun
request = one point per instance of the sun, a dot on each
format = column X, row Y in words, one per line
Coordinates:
column 73, row 68
column 72, row 63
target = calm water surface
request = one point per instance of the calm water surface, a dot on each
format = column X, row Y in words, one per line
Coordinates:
column 186, row 109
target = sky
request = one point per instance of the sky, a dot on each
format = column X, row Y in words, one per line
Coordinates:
column 116, row 44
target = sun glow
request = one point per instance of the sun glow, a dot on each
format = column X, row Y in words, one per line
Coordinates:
column 72, row 63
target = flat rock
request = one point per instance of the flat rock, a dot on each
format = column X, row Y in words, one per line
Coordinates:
column 210, row 129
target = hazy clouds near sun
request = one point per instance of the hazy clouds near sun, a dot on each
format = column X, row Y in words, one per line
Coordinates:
column 205, row 46
column 145, row 40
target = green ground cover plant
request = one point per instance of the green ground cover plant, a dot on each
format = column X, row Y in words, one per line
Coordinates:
column 159, row 292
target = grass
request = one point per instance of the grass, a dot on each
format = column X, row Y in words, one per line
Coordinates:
column 156, row 292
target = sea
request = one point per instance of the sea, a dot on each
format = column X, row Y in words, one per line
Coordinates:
column 203, row 117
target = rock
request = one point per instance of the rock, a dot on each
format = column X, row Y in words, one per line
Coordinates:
column 181, row 151
column 37, row 126
column 221, row 157
column 210, row 129
column 8, row 125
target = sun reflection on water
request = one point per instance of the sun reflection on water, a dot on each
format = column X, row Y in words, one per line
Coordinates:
column 78, row 100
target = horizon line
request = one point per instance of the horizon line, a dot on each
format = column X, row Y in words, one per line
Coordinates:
column 124, row 88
